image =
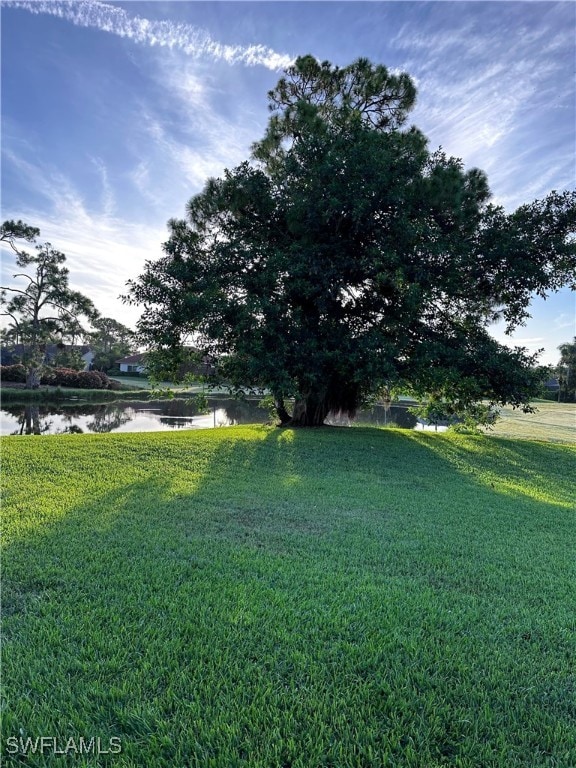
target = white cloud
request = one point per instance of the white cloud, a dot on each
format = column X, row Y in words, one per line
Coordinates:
column 532, row 344
column 195, row 139
column 102, row 250
column 490, row 109
column 108, row 199
column 564, row 320
column 190, row 40
column 475, row 113
column 187, row 161
column 141, row 179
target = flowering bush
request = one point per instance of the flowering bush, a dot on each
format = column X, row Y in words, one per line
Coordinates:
column 60, row 377
column 67, row 377
column 106, row 382
column 15, row 373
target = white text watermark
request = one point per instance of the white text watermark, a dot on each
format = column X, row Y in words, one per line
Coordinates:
column 53, row 745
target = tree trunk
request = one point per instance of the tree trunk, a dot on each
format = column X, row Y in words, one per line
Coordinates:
column 31, row 420
column 309, row 411
column 283, row 414
column 33, row 375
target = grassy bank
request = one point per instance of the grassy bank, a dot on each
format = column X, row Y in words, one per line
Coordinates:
column 271, row 598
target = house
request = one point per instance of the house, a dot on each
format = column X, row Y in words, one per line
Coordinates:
column 132, row 363
column 552, row 385
column 88, row 356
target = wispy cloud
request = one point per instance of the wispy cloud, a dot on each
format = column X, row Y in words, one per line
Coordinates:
column 508, row 102
column 564, row 320
column 103, row 251
column 142, row 180
column 198, row 139
column 476, row 111
column 186, row 38
column 108, row 198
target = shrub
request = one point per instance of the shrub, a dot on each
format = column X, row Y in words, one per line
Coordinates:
column 49, row 376
column 92, row 380
column 60, row 377
column 16, row 373
column 67, row 377
column 106, row 382
column 548, row 395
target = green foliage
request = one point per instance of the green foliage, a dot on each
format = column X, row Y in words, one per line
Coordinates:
column 349, row 257
column 464, row 417
column 256, row 597
column 313, row 94
column 68, row 358
column 13, row 231
column 566, row 371
column 110, row 341
column 268, row 404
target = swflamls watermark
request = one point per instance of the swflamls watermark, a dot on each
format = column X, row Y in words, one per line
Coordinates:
column 81, row 745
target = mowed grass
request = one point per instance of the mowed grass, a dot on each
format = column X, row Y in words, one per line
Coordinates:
column 275, row 598
column 142, row 382
column 552, row 421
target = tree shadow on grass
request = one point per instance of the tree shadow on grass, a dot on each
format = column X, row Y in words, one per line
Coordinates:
column 513, row 467
column 215, row 610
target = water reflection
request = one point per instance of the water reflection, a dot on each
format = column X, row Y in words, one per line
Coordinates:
column 385, row 415
column 125, row 416
column 158, row 415
column 29, row 422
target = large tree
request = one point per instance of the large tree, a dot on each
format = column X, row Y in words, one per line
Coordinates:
column 43, row 308
column 110, row 340
column 347, row 257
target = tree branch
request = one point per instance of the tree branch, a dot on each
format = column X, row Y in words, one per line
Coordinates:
column 14, row 290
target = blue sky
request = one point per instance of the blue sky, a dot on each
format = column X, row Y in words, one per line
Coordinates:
column 115, row 114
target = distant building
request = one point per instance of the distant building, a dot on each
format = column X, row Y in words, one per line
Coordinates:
column 132, row 363
column 552, row 385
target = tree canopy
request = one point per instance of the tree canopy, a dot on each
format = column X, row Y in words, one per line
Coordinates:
column 348, row 256
column 110, row 340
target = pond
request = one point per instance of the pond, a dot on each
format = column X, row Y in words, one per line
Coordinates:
column 156, row 415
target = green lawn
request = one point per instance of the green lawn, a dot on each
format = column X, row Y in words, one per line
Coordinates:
column 552, row 421
column 274, row 598
column 141, row 382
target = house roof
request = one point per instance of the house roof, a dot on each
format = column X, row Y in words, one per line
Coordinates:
column 137, row 358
